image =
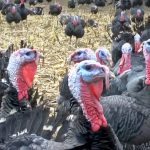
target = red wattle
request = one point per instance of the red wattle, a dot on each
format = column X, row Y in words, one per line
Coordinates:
column 125, row 63
column 147, row 62
column 25, row 79
column 137, row 46
column 92, row 109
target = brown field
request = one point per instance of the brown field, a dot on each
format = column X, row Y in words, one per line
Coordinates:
column 47, row 35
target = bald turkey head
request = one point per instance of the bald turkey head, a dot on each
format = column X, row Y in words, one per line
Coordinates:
column 85, row 82
column 103, row 56
column 146, row 52
column 21, row 70
column 82, row 54
column 125, row 62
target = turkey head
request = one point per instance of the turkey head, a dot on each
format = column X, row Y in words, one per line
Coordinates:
column 21, row 70
column 86, row 85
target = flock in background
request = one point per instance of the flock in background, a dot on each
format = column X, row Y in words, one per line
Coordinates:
column 104, row 100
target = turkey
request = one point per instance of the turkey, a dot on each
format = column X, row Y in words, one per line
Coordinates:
column 21, row 69
column 32, row 2
column 136, row 3
column 89, row 1
column 100, row 3
column 71, row 3
column 86, row 131
column 24, row 12
column 81, row 2
column 36, row 11
column 91, row 23
column 75, row 28
column 55, row 9
column 120, row 23
column 4, row 59
column 137, row 15
column 64, row 19
column 122, row 38
column 12, row 14
column 94, row 9
column 124, row 4
column 125, row 61
column 147, row 3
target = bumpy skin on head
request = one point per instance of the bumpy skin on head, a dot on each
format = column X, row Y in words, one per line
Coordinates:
column 21, row 69
column 81, row 54
column 125, row 63
column 86, row 84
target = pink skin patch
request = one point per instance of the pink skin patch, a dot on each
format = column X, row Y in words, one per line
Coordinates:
column 125, row 63
column 92, row 109
column 147, row 62
column 13, row 10
column 27, row 73
column 21, row 1
column 137, row 46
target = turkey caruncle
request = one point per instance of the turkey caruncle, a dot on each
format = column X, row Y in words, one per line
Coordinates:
column 129, row 116
column 87, row 130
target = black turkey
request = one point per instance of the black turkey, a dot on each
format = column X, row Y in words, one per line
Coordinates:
column 136, row 3
column 117, row 44
column 64, row 19
column 13, row 14
column 71, row 3
column 124, row 4
column 32, row 2
column 75, row 27
column 24, row 12
column 40, row 1
column 120, row 23
column 94, row 9
column 55, row 9
column 81, row 2
column 89, row 1
column 91, row 23
column 137, row 15
column 147, row 3
column 100, row 3
column 36, row 11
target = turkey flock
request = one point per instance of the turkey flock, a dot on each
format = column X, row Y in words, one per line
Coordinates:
column 104, row 96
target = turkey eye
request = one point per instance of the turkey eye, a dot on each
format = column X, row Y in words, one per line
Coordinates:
column 88, row 67
column 78, row 53
column 148, row 43
column 28, row 53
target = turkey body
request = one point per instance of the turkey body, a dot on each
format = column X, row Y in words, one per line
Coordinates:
column 74, row 30
column 13, row 15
